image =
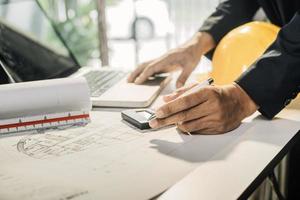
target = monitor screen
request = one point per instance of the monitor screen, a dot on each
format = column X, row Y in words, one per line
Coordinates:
column 30, row 48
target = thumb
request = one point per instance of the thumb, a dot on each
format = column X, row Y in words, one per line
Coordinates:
column 182, row 78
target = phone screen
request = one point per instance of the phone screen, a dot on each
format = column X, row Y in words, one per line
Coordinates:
column 147, row 115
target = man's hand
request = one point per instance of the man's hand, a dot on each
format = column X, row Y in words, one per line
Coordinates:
column 210, row 110
column 184, row 58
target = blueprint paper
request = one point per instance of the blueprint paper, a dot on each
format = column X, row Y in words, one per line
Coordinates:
column 107, row 159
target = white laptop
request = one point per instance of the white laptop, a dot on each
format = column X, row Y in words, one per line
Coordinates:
column 27, row 56
column 109, row 88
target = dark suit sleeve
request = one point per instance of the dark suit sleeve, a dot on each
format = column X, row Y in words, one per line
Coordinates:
column 274, row 79
column 228, row 15
column 4, row 78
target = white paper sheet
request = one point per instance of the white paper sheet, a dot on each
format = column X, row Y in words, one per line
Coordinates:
column 107, row 159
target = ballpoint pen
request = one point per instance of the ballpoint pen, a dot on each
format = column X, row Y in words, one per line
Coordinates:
column 198, row 87
column 192, row 90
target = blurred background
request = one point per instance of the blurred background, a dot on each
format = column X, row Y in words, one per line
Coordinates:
column 126, row 32
column 115, row 33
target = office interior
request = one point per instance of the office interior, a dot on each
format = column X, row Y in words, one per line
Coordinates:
column 110, row 34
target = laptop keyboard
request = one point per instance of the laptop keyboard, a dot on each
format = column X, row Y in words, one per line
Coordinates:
column 100, row 81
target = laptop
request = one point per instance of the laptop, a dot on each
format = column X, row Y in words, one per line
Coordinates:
column 28, row 55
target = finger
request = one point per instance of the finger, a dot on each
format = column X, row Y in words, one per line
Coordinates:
column 208, row 131
column 177, row 93
column 145, row 74
column 197, row 125
column 214, row 130
column 183, row 77
column 131, row 78
column 196, row 112
column 206, row 125
column 165, row 64
column 182, row 103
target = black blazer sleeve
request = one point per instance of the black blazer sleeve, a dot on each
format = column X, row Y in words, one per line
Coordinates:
column 274, row 79
column 4, row 78
column 228, row 15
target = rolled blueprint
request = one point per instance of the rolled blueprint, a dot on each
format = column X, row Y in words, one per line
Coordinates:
column 44, row 100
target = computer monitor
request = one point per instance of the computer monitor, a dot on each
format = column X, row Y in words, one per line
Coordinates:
column 30, row 48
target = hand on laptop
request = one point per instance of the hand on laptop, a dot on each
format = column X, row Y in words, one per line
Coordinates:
column 185, row 58
column 210, row 110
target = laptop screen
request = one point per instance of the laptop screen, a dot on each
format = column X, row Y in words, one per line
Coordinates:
column 30, row 49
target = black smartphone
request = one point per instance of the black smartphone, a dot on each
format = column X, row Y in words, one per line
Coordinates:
column 138, row 117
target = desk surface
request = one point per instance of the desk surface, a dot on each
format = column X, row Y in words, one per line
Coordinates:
column 110, row 160
column 237, row 167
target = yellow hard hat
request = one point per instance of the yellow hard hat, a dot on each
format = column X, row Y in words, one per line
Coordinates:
column 239, row 49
